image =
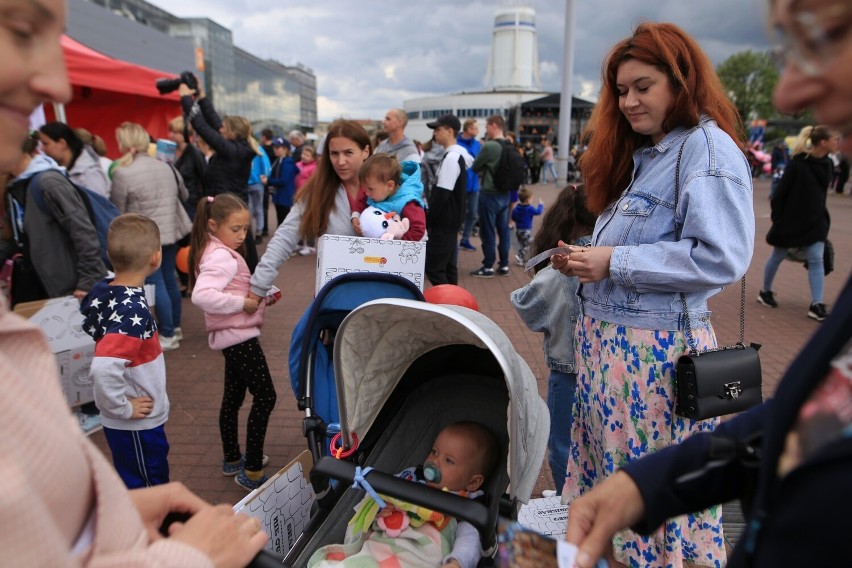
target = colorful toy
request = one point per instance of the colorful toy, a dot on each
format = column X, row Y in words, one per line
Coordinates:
column 378, row 224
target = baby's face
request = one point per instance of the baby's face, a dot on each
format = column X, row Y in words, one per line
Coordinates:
column 455, row 457
column 379, row 190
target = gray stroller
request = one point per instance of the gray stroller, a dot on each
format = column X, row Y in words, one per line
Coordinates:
column 404, row 370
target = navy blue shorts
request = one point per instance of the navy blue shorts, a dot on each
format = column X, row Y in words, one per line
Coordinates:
column 140, row 456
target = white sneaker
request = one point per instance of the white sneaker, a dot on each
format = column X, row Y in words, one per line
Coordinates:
column 178, row 334
column 305, row 251
column 169, row 343
column 548, row 493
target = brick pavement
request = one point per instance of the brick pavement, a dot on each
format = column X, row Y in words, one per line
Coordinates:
column 195, row 372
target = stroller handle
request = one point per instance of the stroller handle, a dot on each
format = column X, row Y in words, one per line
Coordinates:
column 461, row 508
column 266, row 559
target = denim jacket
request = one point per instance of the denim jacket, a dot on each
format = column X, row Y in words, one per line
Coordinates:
column 549, row 304
column 648, row 267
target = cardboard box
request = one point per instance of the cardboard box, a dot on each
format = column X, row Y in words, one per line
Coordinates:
column 547, row 516
column 62, row 323
column 337, row 254
column 283, row 504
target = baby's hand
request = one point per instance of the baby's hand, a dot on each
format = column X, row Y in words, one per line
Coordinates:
column 142, row 406
column 452, row 563
column 387, row 511
column 250, row 305
column 356, row 224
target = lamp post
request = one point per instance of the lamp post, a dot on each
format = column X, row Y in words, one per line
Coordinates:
column 564, row 129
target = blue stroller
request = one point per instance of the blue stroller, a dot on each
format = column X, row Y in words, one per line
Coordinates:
column 311, row 346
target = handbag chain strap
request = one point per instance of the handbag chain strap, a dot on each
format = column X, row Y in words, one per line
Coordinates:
column 690, row 339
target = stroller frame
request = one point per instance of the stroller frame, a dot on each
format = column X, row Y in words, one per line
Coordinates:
column 321, row 326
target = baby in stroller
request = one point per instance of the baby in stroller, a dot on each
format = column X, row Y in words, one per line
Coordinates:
column 461, row 458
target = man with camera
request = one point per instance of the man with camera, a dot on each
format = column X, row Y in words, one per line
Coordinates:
column 234, row 149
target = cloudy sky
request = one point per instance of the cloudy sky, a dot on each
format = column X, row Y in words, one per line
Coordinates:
column 371, row 55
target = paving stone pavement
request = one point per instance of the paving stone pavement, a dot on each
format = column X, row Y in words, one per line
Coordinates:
column 195, row 372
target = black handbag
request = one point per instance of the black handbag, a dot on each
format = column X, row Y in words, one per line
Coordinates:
column 798, row 255
column 718, row 381
column 828, row 257
column 25, row 284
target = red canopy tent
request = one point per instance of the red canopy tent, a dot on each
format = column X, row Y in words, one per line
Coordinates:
column 109, row 91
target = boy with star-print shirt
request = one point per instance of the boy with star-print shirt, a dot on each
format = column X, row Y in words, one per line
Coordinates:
column 128, row 369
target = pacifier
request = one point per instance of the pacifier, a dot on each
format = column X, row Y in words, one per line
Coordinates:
column 431, row 472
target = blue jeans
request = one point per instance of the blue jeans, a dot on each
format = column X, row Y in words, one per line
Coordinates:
column 816, row 271
column 493, row 224
column 561, row 391
column 471, row 214
column 548, row 166
column 255, row 206
column 167, row 293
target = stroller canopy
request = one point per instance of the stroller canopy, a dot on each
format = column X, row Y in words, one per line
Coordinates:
column 378, row 341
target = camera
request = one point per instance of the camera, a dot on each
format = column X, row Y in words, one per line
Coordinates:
column 166, row 86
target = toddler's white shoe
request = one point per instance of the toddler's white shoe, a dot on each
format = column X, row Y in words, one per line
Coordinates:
column 169, row 343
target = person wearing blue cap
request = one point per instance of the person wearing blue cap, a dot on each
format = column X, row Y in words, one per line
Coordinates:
column 282, row 179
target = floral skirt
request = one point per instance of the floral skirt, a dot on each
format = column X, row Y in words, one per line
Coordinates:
column 624, row 410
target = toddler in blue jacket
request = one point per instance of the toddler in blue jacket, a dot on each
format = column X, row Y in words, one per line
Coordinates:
column 522, row 215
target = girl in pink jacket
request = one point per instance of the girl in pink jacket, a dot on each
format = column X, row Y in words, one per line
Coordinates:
column 307, row 166
column 220, row 276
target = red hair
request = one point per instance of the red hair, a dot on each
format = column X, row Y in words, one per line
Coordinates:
column 607, row 165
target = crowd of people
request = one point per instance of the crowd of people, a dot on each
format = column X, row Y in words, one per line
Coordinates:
column 663, row 221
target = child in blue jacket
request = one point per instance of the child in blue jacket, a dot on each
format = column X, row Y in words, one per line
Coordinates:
column 522, row 215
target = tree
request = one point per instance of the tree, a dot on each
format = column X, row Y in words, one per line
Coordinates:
column 749, row 78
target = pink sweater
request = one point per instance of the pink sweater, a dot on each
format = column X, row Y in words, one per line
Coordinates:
column 221, row 287
column 53, row 480
column 305, row 172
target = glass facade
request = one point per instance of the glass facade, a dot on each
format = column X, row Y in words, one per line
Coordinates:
column 461, row 113
column 307, row 94
column 430, row 114
column 266, row 92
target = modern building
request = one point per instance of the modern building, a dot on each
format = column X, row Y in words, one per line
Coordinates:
column 267, row 92
column 512, row 86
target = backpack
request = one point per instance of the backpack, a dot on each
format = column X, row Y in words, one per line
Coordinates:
column 509, row 173
column 101, row 210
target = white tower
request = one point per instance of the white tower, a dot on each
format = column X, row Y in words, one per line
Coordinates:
column 513, row 62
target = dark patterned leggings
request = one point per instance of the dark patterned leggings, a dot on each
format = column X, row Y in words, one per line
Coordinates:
column 246, row 369
column 524, row 239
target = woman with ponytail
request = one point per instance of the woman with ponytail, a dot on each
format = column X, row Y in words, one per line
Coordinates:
column 60, row 142
column 799, row 216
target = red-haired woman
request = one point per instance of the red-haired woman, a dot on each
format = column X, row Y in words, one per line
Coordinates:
column 662, row 113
